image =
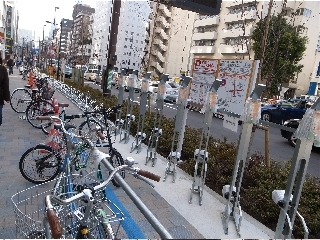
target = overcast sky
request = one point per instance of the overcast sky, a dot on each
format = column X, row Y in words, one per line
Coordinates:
column 33, row 14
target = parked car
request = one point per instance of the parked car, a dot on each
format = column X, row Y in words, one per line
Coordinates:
column 91, row 74
column 68, row 72
column 283, row 111
column 292, row 123
column 172, row 92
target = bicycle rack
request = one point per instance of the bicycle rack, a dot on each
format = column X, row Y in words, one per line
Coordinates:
column 140, row 136
column 119, row 121
column 156, row 131
column 201, row 155
column 125, row 131
column 307, row 135
column 232, row 192
column 181, row 116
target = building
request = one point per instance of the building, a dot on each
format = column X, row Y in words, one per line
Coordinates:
column 62, row 36
column 10, row 28
column 131, row 33
column 222, row 36
column 170, row 40
column 81, row 36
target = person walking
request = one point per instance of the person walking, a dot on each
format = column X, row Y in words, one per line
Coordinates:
column 4, row 88
column 10, row 64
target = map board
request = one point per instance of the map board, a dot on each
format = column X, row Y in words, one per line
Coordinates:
column 238, row 76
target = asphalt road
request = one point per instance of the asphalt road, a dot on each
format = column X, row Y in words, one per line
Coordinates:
column 280, row 150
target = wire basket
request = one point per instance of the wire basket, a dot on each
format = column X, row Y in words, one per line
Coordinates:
column 29, row 209
column 47, row 94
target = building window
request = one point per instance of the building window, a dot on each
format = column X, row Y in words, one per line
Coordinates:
column 304, row 11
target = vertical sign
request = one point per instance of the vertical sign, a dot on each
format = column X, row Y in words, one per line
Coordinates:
column 204, row 73
column 236, row 76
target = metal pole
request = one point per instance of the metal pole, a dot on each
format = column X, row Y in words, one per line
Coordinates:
column 59, row 50
column 82, row 50
column 264, row 40
column 160, row 229
column 112, row 58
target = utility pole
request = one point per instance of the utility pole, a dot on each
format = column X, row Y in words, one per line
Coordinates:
column 81, row 74
column 264, row 41
column 112, row 58
column 59, row 49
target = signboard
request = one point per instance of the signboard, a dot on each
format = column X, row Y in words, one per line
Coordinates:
column 236, row 76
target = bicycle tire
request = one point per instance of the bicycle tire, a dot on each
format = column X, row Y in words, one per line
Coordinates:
column 116, row 160
column 39, row 108
column 46, row 152
column 19, row 103
column 84, row 126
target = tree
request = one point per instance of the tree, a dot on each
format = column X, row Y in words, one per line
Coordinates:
column 284, row 50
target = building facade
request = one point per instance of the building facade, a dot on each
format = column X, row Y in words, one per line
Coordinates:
column 131, row 33
column 227, row 37
column 170, row 40
column 81, row 35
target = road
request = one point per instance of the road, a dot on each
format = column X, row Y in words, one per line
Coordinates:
column 280, row 150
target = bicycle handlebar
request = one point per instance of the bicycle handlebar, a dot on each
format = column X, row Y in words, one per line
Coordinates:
column 53, row 220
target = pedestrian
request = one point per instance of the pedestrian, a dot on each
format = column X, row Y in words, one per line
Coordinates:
column 10, row 64
column 4, row 88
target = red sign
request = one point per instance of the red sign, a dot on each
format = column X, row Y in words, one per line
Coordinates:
column 205, row 66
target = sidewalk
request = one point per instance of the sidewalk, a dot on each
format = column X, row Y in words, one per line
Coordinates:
column 167, row 201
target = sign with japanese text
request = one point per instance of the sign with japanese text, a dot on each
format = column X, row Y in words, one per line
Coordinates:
column 236, row 75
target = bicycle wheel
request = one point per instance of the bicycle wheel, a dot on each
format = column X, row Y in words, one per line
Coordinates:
column 39, row 108
column 40, row 164
column 20, row 100
column 86, row 126
column 116, row 160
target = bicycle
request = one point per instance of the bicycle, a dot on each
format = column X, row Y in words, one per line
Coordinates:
column 86, row 214
column 21, row 98
column 93, row 123
column 46, row 161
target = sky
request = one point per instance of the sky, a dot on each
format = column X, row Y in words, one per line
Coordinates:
column 33, row 14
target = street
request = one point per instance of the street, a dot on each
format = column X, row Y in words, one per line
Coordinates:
column 280, row 149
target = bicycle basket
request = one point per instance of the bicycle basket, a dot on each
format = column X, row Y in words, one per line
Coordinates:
column 47, row 94
column 29, row 209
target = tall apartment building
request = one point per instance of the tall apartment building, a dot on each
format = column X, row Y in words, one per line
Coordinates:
column 170, row 40
column 131, row 33
column 222, row 36
column 66, row 27
column 81, row 34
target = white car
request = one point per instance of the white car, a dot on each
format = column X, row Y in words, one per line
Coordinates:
column 91, row 74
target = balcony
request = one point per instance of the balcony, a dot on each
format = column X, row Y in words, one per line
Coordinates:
column 158, row 55
column 162, row 33
column 160, row 44
column 203, row 49
column 248, row 15
column 207, row 22
column 163, row 22
column 205, row 36
column 233, row 49
column 165, row 10
column 233, row 33
column 157, row 66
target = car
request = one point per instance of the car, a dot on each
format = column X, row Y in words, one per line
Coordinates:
column 292, row 123
column 283, row 111
column 68, row 72
column 91, row 74
column 172, row 92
